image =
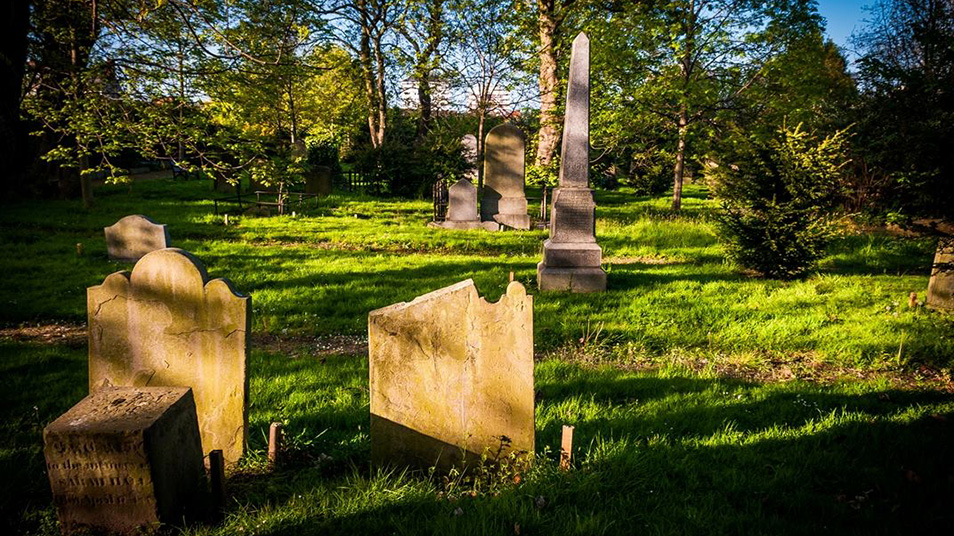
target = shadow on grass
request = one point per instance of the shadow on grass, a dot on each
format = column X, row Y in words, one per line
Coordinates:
column 655, row 454
column 878, row 254
column 672, row 455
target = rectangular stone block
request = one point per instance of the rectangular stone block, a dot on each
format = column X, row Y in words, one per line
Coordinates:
column 514, row 221
column 574, row 216
column 319, row 181
column 134, row 236
column 570, row 279
column 572, row 255
column 167, row 324
column 125, row 460
column 452, row 378
column 940, row 294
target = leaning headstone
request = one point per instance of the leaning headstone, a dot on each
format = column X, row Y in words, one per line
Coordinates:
column 571, row 257
column 940, row 294
column 452, row 378
column 504, row 200
column 166, row 324
column 469, row 143
column 133, row 236
column 123, row 460
column 462, row 209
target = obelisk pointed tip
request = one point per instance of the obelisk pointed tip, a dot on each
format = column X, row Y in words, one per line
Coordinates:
column 581, row 38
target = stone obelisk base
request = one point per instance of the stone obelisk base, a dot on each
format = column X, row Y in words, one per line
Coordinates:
column 570, row 278
column 571, row 257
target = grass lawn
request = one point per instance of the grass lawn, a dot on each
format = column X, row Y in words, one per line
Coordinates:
column 705, row 401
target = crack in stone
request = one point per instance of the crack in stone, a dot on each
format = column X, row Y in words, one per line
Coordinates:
column 100, row 306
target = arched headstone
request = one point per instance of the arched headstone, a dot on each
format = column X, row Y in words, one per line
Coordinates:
column 134, row 236
column 166, row 324
column 504, row 199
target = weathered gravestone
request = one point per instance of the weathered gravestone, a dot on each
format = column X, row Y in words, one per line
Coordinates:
column 452, row 378
column 462, row 208
column 462, row 202
column 167, row 324
column 504, row 200
column 319, row 181
column 133, row 236
column 125, row 459
column 940, row 294
column 571, row 257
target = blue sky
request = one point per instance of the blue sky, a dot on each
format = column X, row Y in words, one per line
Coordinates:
column 842, row 17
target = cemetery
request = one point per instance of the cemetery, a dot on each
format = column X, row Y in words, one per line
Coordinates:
column 280, row 304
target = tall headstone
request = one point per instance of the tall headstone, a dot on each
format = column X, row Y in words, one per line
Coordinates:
column 452, row 378
column 940, row 294
column 133, row 236
column 571, row 257
column 166, row 324
column 123, row 460
column 504, row 200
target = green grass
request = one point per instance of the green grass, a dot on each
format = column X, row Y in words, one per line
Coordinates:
column 667, row 443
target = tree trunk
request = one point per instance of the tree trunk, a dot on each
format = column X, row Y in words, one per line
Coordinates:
column 15, row 25
column 686, row 70
column 680, row 159
column 367, row 72
column 382, row 96
column 549, row 135
column 426, row 65
column 86, row 183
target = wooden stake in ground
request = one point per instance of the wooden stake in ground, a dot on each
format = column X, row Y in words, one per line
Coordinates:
column 511, row 277
column 217, row 478
column 274, row 442
column 566, row 448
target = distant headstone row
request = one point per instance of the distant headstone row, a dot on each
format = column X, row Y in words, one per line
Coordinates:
column 504, row 203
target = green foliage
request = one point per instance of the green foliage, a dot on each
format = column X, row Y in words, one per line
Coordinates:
column 906, row 118
column 324, row 153
column 778, row 200
column 544, row 175
column 407, row 168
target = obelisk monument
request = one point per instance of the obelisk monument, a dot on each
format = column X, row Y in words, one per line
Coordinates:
column 571, row 257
